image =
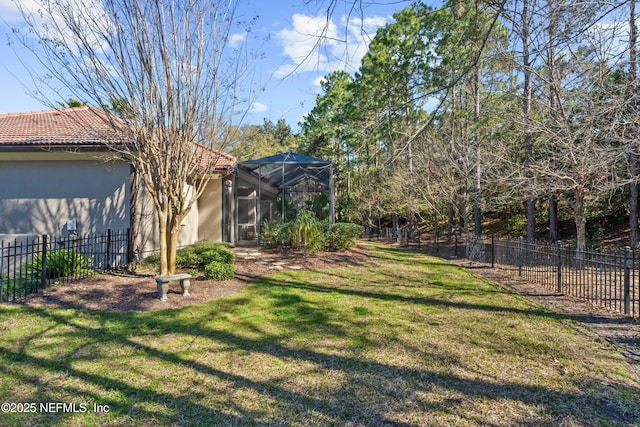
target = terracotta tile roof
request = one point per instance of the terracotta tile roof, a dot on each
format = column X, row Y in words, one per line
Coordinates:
column 77, row 129
column 68, row 127
column 221, row 160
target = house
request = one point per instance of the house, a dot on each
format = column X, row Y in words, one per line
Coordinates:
column 59, row 175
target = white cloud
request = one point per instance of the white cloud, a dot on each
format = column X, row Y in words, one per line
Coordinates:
column 10, row 12
column 364, row 28
column 320, row 45
column 237, row 39
column 258, row 108
column 304, row 43
column 317, row 82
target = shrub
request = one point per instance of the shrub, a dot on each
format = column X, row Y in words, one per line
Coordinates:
column 208, row 252
column 305, row 231
column 218, row 271
column 200, row 254
column 153, row 260
column 195, row 257
column 273, row 234
column 60, row 263
column 207, row 249
column 309, row 233
column 187, row 258
column 342, row 235
column 218, row 255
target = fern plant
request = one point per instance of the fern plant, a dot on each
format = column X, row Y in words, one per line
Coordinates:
column 60, row 263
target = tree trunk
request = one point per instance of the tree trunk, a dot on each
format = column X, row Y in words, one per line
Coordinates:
column 633, row 199
column 526, row 110
column 450, row 217
column 477, row 208
column 553, row 219
column 394, row 223
column 162, row 227
column 633, row 155
column 581, row 224
column 551, row 61
column 412, row 224
column 172, row 246
column 477, row 187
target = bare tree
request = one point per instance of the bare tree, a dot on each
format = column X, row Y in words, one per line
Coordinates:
column 171, row 72
column 633, row 154
column 580, row 158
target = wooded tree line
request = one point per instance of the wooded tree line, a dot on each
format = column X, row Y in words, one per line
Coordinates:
column 484, row 106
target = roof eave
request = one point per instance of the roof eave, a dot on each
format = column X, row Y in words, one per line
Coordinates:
column 57, row 148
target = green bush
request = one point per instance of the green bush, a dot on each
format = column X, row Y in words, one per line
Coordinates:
column 218, row 271
column 200, row 254
column 60, row 263
column 187, row 258
column 218, row 255
column 153, row 260
column 272, row 234
column 305, row 231
column 309, row 233
column 342, row 235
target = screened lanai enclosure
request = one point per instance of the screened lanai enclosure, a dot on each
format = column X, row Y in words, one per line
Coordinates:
column 277, row 188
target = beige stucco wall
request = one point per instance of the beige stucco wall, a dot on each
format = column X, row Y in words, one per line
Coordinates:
column 40, row 192
column 147, row 236
column 210, row 210
column 203, row 223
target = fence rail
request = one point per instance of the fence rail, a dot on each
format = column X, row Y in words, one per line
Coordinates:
column 606, row 278
column 610, row 279
column 29, row 264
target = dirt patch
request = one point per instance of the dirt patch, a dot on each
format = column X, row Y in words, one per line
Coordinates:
column 137, row 292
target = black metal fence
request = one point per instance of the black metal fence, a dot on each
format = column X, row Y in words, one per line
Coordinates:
column 34, row 263
column 609, row 279
column 606, row 278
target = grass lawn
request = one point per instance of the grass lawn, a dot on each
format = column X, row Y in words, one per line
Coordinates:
column 404, row 340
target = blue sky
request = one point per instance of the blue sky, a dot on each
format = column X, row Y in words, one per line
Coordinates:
column 290, row 71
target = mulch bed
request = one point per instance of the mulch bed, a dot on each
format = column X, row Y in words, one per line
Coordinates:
column 121, row 292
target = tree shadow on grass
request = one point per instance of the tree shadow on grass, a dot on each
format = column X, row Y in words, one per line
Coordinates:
column 369, row 393
column 235, row 370
column 420, row 300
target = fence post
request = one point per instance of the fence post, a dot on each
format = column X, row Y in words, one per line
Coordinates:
column 130, row 246
column 43, row 266
column 493, row 250
column 559, row 284
column 108, row 249
column 520, row 256
column 627, row 280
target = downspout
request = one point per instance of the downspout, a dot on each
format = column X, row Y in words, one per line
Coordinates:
column 235, row 227
column 259, row 207
column 282, row 183
column 133, row 223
